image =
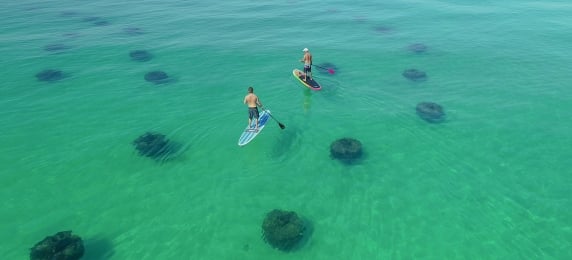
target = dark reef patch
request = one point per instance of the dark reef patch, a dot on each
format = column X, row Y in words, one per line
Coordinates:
column 50, row 75
column 430, row 112
column 157, row 77
column 347, row 150
column 283, row 229
column 63, row 245
column 417, row 48
column 71, row 35
column 156, row 146
column 140, row 55
column 133, row 31
column 101, row 23
column 56, row 47
column 96, row 20
column 414, row 75
column 92, row 19
column 383, row 29
column 68, row 13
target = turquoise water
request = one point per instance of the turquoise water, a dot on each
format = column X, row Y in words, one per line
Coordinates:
column 491, row 182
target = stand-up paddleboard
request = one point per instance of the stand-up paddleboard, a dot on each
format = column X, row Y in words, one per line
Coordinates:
column 309, row 83
column 250, row 132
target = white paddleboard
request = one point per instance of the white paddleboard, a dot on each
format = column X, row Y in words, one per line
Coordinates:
column 249, row 132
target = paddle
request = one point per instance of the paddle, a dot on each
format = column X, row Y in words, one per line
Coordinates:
column 331, row 71
column 282, row 126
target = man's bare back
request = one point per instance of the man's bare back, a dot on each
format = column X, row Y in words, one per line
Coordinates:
column 251, row 100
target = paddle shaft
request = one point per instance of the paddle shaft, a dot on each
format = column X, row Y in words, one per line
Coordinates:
column 331, row 71
column 282, row 126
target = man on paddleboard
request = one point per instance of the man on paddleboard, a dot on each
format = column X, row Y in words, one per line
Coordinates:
column 307, row 59
column 252, row 101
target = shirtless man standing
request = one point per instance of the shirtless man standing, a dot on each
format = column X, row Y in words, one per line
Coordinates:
column 252, row 101
column 307, row 59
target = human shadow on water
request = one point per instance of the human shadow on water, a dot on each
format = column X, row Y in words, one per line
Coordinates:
column 98, row 248
column 308, row 232
column 286, row 142
column 330, row 86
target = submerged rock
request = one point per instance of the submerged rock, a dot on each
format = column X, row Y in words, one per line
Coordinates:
column 140, row 55
column 157, row 77
column 96, row 20
column 346, row 149
column 68, row 13
column 430, row 112
column 61, row 246
column 50, row 75
column 133, row 31
column 156, row 146
column 283, row 229
column 56, row 47
column 417, row 48
column 414, row 75
column 101, row 23
column 92, row 19
column 383, row 29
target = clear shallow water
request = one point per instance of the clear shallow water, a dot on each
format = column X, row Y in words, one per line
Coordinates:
column 492, row 182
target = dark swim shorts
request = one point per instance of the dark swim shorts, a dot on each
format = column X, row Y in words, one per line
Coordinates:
column 253, row 112
column 307, row 69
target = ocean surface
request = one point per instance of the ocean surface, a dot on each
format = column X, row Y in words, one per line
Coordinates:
column 493, row 180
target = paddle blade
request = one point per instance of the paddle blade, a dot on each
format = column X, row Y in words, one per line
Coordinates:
column 281, row 125
column 331, row 71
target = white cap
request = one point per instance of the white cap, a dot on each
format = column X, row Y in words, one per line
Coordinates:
column 305, row 50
